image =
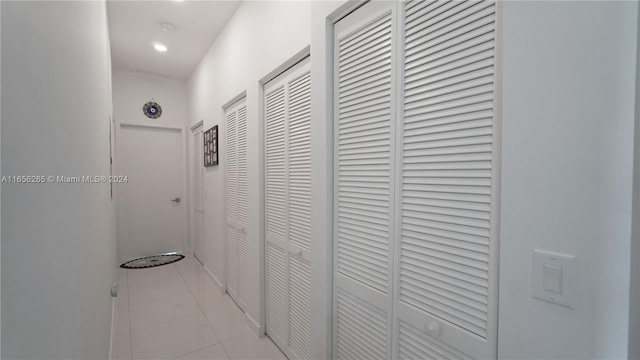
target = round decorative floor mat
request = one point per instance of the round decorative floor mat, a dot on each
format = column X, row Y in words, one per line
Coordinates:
column 151, row 261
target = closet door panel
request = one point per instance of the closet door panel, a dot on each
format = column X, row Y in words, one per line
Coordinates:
column 241, row 169
column 364, row 115
column 277, row 214
column 231, row 184
column 363, row 144
column 443, row 276
column 276, row 171
column 231, row 180
column 416, row 181
column 299, row 111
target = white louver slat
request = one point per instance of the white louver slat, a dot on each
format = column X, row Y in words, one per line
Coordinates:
column 416, row 174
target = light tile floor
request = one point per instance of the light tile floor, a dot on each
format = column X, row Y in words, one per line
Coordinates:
column 176, row 312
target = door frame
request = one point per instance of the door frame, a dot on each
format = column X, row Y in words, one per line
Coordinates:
column 183, row 170
column 190, row 188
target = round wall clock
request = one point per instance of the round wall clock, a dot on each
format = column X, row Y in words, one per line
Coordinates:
column 152, row 110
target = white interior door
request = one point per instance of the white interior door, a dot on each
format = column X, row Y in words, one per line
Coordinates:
column 415, row 240
column 150, row 211
column 288, row 210
column 236, row 202
column 197, row 193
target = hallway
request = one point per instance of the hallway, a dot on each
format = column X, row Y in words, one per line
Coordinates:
column 375, row 180
column 175, row 312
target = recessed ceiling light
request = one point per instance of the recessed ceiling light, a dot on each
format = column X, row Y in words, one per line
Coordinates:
column 160, row 47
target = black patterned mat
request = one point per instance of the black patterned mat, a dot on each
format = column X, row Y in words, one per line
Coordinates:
column 151, row 261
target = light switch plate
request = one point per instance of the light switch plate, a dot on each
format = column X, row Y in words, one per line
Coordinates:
column 553, row 277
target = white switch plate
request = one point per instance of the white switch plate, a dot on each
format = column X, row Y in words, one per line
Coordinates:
column 553, row 277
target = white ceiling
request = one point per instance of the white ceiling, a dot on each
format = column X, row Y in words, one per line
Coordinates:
column 134, row 27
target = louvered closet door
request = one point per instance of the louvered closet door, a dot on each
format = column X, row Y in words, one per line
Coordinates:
column 236, row 201
column 288, row 210
column 366, row 67
column 198, row 194
column 416, row 194
column 446, row 276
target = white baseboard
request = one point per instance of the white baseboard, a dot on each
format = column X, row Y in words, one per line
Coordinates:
column 113, row 320
column 253, row 325
column 219, row 285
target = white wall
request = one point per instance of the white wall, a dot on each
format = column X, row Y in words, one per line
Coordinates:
column 568, row 117
column 58, row 246
column 131, row 90
column 257, row 39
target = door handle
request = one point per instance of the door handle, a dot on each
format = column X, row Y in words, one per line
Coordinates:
column 176, row 200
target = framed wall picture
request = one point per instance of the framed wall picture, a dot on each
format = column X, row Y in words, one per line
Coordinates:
column 211, row 146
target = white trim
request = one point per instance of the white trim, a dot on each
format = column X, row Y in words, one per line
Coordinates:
column 285, row 66
column 221, row 287
column 257, row 329
column 199, row 123
column 234, row 100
